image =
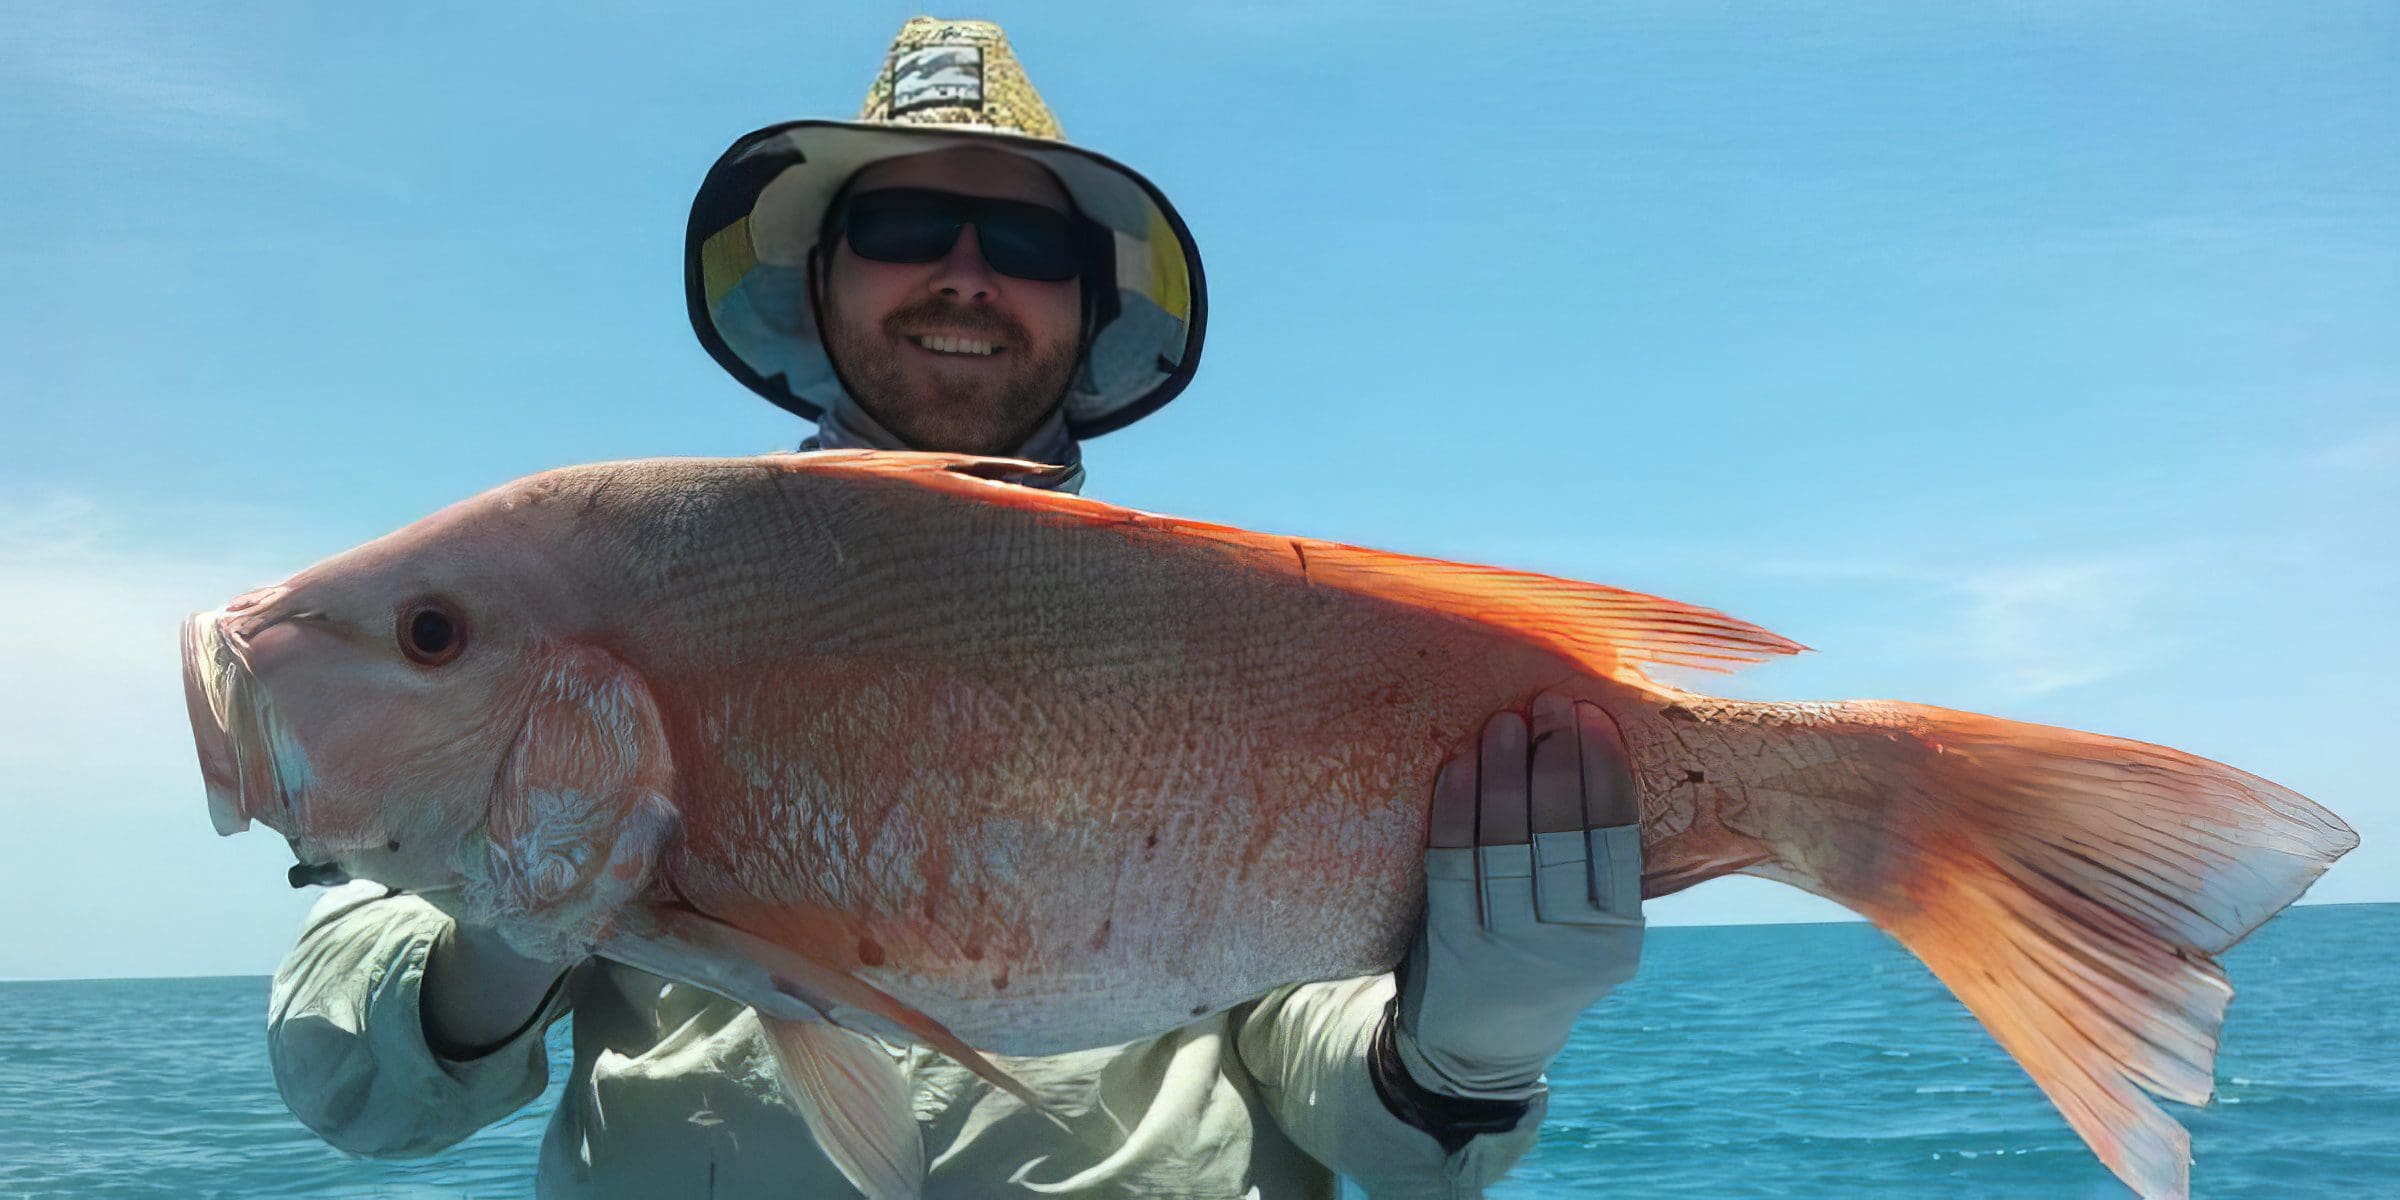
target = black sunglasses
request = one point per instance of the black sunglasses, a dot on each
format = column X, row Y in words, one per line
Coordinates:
column 919, row 225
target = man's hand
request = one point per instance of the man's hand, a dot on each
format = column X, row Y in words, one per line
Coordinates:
column 479, row 992
column 1533, row 886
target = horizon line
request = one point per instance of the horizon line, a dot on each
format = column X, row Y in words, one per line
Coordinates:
column 1710, row 925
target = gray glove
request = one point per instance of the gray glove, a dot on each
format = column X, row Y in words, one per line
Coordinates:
column 1533, row 902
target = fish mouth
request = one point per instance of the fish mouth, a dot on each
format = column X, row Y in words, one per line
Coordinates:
column 249, row 764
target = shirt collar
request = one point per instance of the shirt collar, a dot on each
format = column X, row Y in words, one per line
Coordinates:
column 846, row 426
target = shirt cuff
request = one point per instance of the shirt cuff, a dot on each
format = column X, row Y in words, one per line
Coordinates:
column 346, row 1038
column 1310, row 1049
column 1453, row 1121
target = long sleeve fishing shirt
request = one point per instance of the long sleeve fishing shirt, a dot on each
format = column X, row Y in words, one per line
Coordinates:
column 673, row 1093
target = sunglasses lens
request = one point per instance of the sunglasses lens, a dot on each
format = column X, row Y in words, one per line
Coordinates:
column 899, row 226
column 909, row 225
column 1029, row 242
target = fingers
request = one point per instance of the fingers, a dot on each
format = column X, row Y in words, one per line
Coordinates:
column 1520, row 801
column 1608, row 795
column 1502, row 856
column 1578, row 763
column 1453, row 891
column 1615, row 859
column 1501, row 783
column 1451, row 824
column 1613, row 813
column 1564, row 770
column 1555, row 799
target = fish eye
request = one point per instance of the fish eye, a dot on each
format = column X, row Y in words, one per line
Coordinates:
column 430, row 633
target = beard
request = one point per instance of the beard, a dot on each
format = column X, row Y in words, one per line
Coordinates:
column 990, row 413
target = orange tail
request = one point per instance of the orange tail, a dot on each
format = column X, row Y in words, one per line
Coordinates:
column 2071, row 889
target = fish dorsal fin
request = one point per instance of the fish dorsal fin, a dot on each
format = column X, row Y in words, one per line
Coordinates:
column 1609, row 630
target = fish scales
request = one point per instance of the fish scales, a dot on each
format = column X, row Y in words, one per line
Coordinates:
column 889, row 740
column 1147, row 745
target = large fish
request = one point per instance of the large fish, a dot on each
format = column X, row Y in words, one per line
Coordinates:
column 889, row 742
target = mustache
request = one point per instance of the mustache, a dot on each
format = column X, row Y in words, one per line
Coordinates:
column 965, row 318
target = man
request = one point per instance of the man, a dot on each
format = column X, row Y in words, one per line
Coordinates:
column 946, row 274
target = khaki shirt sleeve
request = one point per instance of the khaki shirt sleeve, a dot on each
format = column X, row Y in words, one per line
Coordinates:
column 348, row 1046
column 1307, row 1048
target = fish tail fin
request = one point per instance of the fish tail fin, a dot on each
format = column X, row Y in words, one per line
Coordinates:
column 2072, row 889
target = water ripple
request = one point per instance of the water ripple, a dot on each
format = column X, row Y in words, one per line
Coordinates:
column 1816, row 1061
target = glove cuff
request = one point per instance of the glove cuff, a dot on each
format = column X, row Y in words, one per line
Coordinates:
column 1452, row 1121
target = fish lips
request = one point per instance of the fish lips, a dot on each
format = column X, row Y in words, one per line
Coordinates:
column 207, row 698
column 230, row 729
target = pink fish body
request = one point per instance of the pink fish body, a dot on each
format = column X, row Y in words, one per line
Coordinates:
column 890, row 740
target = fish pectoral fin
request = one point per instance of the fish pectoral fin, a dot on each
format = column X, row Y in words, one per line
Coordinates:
column 580, row 812
column 855, row 1100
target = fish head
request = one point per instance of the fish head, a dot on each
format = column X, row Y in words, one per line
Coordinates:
column 365, row 707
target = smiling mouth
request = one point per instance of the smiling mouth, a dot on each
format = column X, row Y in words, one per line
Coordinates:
column 961, row 347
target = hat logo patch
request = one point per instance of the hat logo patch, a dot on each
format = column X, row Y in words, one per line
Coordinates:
column 937, row 77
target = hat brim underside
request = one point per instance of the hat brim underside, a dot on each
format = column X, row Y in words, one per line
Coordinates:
column 757, row 218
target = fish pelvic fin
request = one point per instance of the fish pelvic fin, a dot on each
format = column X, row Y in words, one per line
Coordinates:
column 844, row 998
column 1610, row 631
column 854, row 1098
column 2073, row 890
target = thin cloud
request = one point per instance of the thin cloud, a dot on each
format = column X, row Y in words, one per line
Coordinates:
column 2045, row 627
column 96, row 663
column 2374, row 455
column 98, row 782
column 2023, row 629
column 2012, row 629
column 1259, row 17
column 164, row 78
column 143, row 71
column 1844, row 568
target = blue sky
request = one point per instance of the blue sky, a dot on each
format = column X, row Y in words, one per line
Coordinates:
column 2042, row 359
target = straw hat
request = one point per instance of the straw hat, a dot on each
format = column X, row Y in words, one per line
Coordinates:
column 944, row 83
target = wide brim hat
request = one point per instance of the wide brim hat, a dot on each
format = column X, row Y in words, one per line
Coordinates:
column 762, row 207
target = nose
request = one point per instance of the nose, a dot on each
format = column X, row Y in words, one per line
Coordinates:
column 963, row 274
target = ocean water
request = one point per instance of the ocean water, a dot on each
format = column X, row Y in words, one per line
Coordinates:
column 1781, row 1061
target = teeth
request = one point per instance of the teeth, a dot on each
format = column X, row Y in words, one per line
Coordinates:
column 957, row 345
